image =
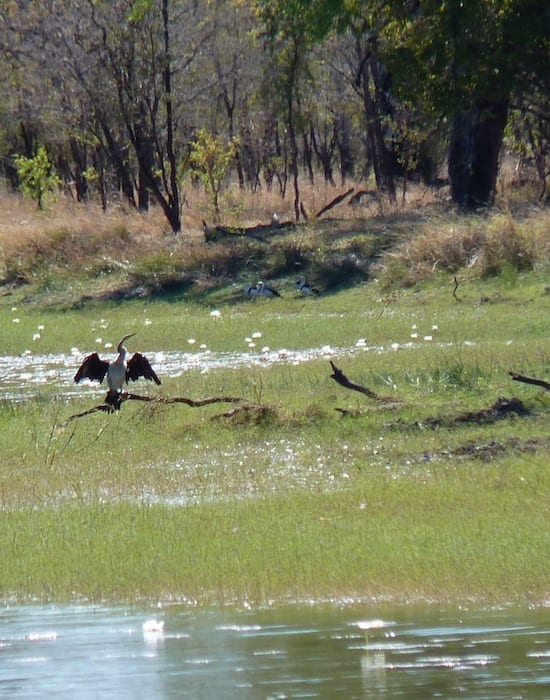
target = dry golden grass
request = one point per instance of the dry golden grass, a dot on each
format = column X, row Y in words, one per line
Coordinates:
column 479, row 245
column 413, row 239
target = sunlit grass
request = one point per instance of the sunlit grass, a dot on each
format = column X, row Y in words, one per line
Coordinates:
column 470, row 534
column 329, row 494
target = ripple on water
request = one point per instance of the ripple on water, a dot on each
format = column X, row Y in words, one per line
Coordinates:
column 311, row 650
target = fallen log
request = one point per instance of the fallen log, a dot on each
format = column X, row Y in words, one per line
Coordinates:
column 334, row 202
column 529, row 380
column 260, row 232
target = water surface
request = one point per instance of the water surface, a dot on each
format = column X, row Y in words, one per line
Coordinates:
column 300, row 651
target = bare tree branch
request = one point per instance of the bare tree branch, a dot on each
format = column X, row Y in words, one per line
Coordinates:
column 529, row 380
column 341, row 379
column 111, row 405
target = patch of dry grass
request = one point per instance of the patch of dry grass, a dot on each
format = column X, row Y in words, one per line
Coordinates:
column 70, row 234
column 409, row 243
column 480, row 245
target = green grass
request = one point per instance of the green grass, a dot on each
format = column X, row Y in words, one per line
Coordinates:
column 468, row 533
column 167, row 501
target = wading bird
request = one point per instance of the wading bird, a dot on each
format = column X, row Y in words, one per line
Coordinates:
column 305, row 288
column 118, row 371
column 265, row 291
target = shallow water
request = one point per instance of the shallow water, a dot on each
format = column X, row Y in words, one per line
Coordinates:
column 22, row 375
column 302, row 651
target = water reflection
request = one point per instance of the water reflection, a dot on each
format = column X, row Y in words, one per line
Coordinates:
column 292, row 652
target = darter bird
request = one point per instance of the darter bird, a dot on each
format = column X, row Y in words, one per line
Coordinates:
column 118, row 371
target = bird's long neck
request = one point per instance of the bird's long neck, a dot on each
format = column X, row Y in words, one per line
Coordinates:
column 122, row 352
column 121, row 357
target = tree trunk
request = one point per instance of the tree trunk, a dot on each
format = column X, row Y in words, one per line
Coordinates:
column 118, row 161
column 473, row 154
column 343, row 143
column 375, row 111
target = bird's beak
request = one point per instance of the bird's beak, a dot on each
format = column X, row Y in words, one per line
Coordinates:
column 130, row 335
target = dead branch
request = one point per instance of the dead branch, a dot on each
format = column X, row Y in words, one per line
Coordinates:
column 182, row 399
column 529, row 380
column 341, row 379
column 102, row 407
column 112, row 404
column 334, row 202
column 454, row 290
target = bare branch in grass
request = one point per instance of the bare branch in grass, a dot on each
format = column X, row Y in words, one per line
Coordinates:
column 455, row 297
column 334, row 202
column 112, row 404
column 340, row 378
column 529, row 380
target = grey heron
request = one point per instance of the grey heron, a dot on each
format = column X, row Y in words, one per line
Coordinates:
column 118, row 371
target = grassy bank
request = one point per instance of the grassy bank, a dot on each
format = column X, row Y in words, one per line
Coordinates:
column 419, row 494
column 473, row 533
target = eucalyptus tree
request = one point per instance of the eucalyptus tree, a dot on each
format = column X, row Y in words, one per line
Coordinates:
column 293, row 29
column 229, row 68
column 464, row 61
column 132, row 44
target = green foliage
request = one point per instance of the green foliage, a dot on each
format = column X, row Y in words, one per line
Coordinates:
column 448, row 56
column 37, row 175
column 210, row 160
column 309, row 502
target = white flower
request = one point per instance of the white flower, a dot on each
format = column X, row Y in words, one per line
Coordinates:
column 256, row 334
column 36, row 336
column 215, row 313
column 191, row 341
column 370, row 624
column 15, row 320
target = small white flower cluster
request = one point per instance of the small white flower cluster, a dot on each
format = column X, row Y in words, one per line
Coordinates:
column 251, row 341
column 414, row 332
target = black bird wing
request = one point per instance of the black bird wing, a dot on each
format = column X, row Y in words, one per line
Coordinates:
column 139, row 366
column 93, row 367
